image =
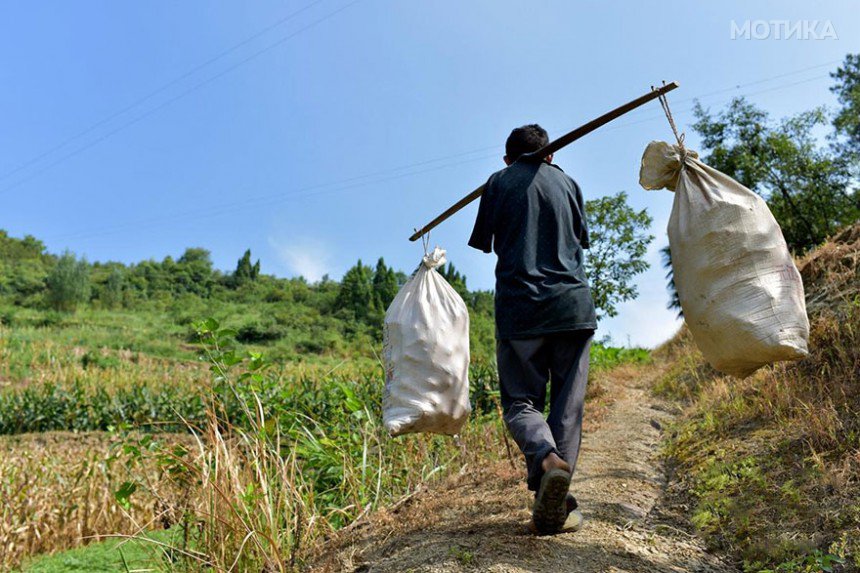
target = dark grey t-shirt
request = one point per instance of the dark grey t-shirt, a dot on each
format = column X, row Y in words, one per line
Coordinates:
column 532, row 215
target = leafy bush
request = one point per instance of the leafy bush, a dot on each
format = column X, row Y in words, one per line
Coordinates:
column 257, row 332
column 92, row 359
column 68, row 283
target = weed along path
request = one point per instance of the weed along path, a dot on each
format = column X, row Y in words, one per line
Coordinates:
column 478, row 520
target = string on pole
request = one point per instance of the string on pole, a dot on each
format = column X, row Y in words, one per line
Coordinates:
column 664, row 103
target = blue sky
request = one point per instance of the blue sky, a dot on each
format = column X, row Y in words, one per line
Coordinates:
column 134, row 130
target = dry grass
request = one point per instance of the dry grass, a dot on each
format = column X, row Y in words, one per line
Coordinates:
column 57, row 492
column 238, row 499
column 831, row 273
column 248, row 504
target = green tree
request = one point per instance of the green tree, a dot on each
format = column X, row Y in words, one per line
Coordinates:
column 455, row 279
column 245, row 271
column 150, row 277
column 68, row 283
column 384, row 285
column 846, row 122
column 806, row 184
column 111, row 295
column 674, row 299
column 192, row 273
column 23, row 267
column 356, row 291
column 619, row 241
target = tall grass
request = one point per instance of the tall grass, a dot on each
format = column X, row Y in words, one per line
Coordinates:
column 261, row 485
column 57, row 491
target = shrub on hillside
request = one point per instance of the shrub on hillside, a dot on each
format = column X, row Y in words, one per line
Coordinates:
column 68, row 283
column 260, row 332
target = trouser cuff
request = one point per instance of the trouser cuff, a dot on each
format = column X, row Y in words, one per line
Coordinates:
column 536, row 466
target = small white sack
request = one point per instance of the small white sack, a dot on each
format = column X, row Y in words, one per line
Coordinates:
column 426, row 353
column 740, row 291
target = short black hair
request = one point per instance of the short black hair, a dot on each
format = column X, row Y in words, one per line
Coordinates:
column 525, row 139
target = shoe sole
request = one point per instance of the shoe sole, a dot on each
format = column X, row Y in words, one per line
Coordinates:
column 550, row 511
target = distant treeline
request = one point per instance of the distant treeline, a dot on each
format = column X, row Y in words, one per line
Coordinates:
column 189, row 289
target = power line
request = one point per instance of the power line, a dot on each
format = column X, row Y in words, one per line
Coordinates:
column 748, row 84
column 690, row 108
column 372, row 177
column 266, row 200
column 387, row 175
column 176, row 98
column 157, row 91
column 242, row 62
column 765, row 80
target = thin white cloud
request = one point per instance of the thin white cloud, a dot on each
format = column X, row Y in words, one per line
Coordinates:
column 302, row 256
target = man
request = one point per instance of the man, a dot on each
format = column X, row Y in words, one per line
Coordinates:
column 531, row 214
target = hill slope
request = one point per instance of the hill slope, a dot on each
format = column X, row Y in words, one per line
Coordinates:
column 773, row 461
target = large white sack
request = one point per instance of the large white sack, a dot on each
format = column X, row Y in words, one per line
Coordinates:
column 740, row 291
column 426, row 353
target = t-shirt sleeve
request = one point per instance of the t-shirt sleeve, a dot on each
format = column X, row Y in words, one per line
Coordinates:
column 482, row 233
column 584, row 241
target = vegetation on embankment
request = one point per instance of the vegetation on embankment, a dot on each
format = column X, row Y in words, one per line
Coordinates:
column 772, row 462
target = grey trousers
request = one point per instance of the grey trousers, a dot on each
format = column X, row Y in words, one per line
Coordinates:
column 525, row 367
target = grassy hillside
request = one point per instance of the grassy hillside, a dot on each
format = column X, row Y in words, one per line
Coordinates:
column 772, row 462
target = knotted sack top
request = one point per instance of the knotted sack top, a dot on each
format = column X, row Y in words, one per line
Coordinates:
column 661, row 165
column 434, row 259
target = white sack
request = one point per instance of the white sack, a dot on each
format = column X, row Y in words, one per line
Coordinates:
column 741, row 293
column 426, row 352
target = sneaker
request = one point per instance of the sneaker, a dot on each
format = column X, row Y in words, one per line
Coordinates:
column 551, row 503
column 573, row 522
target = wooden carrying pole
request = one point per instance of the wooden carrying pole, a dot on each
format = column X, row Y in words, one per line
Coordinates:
column 554, row 146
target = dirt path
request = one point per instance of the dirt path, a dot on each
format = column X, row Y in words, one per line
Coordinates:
column 478, row 522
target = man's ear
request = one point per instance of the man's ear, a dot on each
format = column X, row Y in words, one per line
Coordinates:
column 549, row 158
column 506, row 160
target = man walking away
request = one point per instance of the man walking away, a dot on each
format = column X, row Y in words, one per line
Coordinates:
column 531, row 214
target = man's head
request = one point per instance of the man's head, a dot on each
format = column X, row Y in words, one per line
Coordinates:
column 525, row 139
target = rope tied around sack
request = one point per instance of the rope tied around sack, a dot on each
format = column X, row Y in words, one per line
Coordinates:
column 664, row 103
